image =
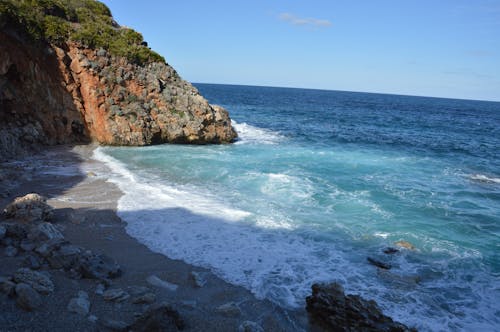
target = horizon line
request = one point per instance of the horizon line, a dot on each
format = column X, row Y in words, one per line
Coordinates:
column 368, row 92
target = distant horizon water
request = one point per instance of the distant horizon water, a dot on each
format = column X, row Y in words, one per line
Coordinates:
column 319, row 181
column 336, row 90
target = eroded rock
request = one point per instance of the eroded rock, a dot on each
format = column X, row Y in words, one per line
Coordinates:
column 330, row 308
column 229, row 309
column 115, row 295
column 37, row 280
column 28, row 208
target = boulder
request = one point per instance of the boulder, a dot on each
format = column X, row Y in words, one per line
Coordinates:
column 331, row 309
column 45, row 231
column 27, row 298
column 37, row 280
column 65, row 257
column 159, row 318
column 3, row 231
column 96, row 266
column 378, row 263
column 31, row 207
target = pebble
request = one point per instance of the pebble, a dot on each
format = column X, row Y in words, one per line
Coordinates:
column 80, row 305
column 229, row 309
column 115, row 295
column 155, row 281
column 198, row 278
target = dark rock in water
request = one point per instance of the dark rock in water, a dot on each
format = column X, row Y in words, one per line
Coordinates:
column 39, row 281
column 159, row 318
column 390, row 250
column 27, row 298
column 331, row 309
column 378, row 263
column 94, row 266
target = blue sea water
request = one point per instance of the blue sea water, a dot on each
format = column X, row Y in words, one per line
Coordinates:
column 320, row 180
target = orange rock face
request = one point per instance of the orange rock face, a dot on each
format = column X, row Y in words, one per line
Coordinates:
column 73, row 94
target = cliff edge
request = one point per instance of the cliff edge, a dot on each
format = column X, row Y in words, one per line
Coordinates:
column 69, row 73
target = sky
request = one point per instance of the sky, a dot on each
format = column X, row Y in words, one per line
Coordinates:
column 445, row 48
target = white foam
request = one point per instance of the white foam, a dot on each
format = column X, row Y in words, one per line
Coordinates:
column 484, row 178
column 271, row 258
column 250, row 134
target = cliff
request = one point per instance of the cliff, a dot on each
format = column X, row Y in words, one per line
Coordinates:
column 56, row 90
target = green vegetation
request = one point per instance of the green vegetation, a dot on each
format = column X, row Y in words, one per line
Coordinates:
column 87, row 22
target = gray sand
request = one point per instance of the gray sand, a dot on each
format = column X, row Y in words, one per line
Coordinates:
column 86, row 214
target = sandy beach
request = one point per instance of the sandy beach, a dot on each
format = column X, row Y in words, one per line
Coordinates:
column 85, row 213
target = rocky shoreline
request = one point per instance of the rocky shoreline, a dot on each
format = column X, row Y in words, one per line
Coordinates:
column 73, row 265
column 67, row 261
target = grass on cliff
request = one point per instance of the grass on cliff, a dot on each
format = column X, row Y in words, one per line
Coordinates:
column 87, row 22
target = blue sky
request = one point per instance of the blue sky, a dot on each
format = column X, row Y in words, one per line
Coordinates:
column 445, row 48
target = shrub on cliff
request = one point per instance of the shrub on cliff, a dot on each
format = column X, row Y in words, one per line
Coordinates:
column 87, row 22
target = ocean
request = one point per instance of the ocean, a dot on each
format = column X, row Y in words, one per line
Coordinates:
column 319, row 181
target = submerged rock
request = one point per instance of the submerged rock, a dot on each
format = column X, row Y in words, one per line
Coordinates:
column 28, row 208
column 95, row 266
column 405, row 244
column 330, row 308
column 378, row 263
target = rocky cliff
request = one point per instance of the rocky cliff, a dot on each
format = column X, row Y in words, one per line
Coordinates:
column 66, row 92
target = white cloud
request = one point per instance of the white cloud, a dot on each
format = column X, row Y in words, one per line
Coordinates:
column 307, row 21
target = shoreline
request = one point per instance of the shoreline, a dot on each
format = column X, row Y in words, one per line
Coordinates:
column 85, row 213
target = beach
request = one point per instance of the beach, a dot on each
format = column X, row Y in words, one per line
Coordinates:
column 85, row 213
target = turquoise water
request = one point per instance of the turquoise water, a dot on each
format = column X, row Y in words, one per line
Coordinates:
column 319, row 181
